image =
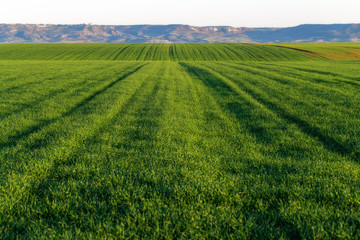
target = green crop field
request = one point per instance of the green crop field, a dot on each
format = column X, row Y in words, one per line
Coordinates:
column 164, row 141
column 152, row 52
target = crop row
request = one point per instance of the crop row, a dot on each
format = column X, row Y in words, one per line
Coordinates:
column 170, row 150
column 150, row 52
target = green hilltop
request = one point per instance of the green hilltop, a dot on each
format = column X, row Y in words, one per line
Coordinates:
column 179, row 141
column 180, row 52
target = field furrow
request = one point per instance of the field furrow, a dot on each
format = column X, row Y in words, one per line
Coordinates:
column 261, row 122
column 284, row 155
column 298, row 103
column 43, row 121
column 335, row 80
column 44, row 90
column 178, row 141
column 37, row 135
column 68, row 145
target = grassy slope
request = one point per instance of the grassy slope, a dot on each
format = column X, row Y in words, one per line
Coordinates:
column 334, row 51
column 149, row 52
column 181, row 52
column 190, row 149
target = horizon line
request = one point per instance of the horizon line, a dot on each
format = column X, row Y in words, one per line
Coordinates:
column 176, row 24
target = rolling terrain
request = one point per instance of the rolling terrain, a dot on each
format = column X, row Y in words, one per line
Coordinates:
column 181, row 52
column 48, row 33
column 162, row 141
column 151, row 52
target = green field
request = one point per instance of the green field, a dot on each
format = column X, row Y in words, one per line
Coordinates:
column 163, row 141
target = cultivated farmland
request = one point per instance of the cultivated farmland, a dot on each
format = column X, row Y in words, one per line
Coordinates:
column 243, row 141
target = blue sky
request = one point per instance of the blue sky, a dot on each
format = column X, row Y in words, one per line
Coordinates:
column 250, row 13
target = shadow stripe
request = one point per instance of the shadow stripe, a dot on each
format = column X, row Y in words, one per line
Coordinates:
column 22, row 135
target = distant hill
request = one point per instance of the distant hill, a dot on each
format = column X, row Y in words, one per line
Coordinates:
column 43, row 33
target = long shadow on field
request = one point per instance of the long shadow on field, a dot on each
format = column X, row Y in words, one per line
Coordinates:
column 145, row 125
column 144, row 128
column 32, row 103
column 14, row 88
column 12, row 140
column 52, row 94
column 339, row 78
column 40, row 81
column 329, row 143
column 350, row 80
column 243, row 112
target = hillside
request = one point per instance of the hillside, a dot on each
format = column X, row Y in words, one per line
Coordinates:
column 152, row 52
column 181, row 51
column 47, row 33
column 183, row 145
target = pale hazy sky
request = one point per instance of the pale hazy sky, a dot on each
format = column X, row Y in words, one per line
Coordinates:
column 250, row 13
